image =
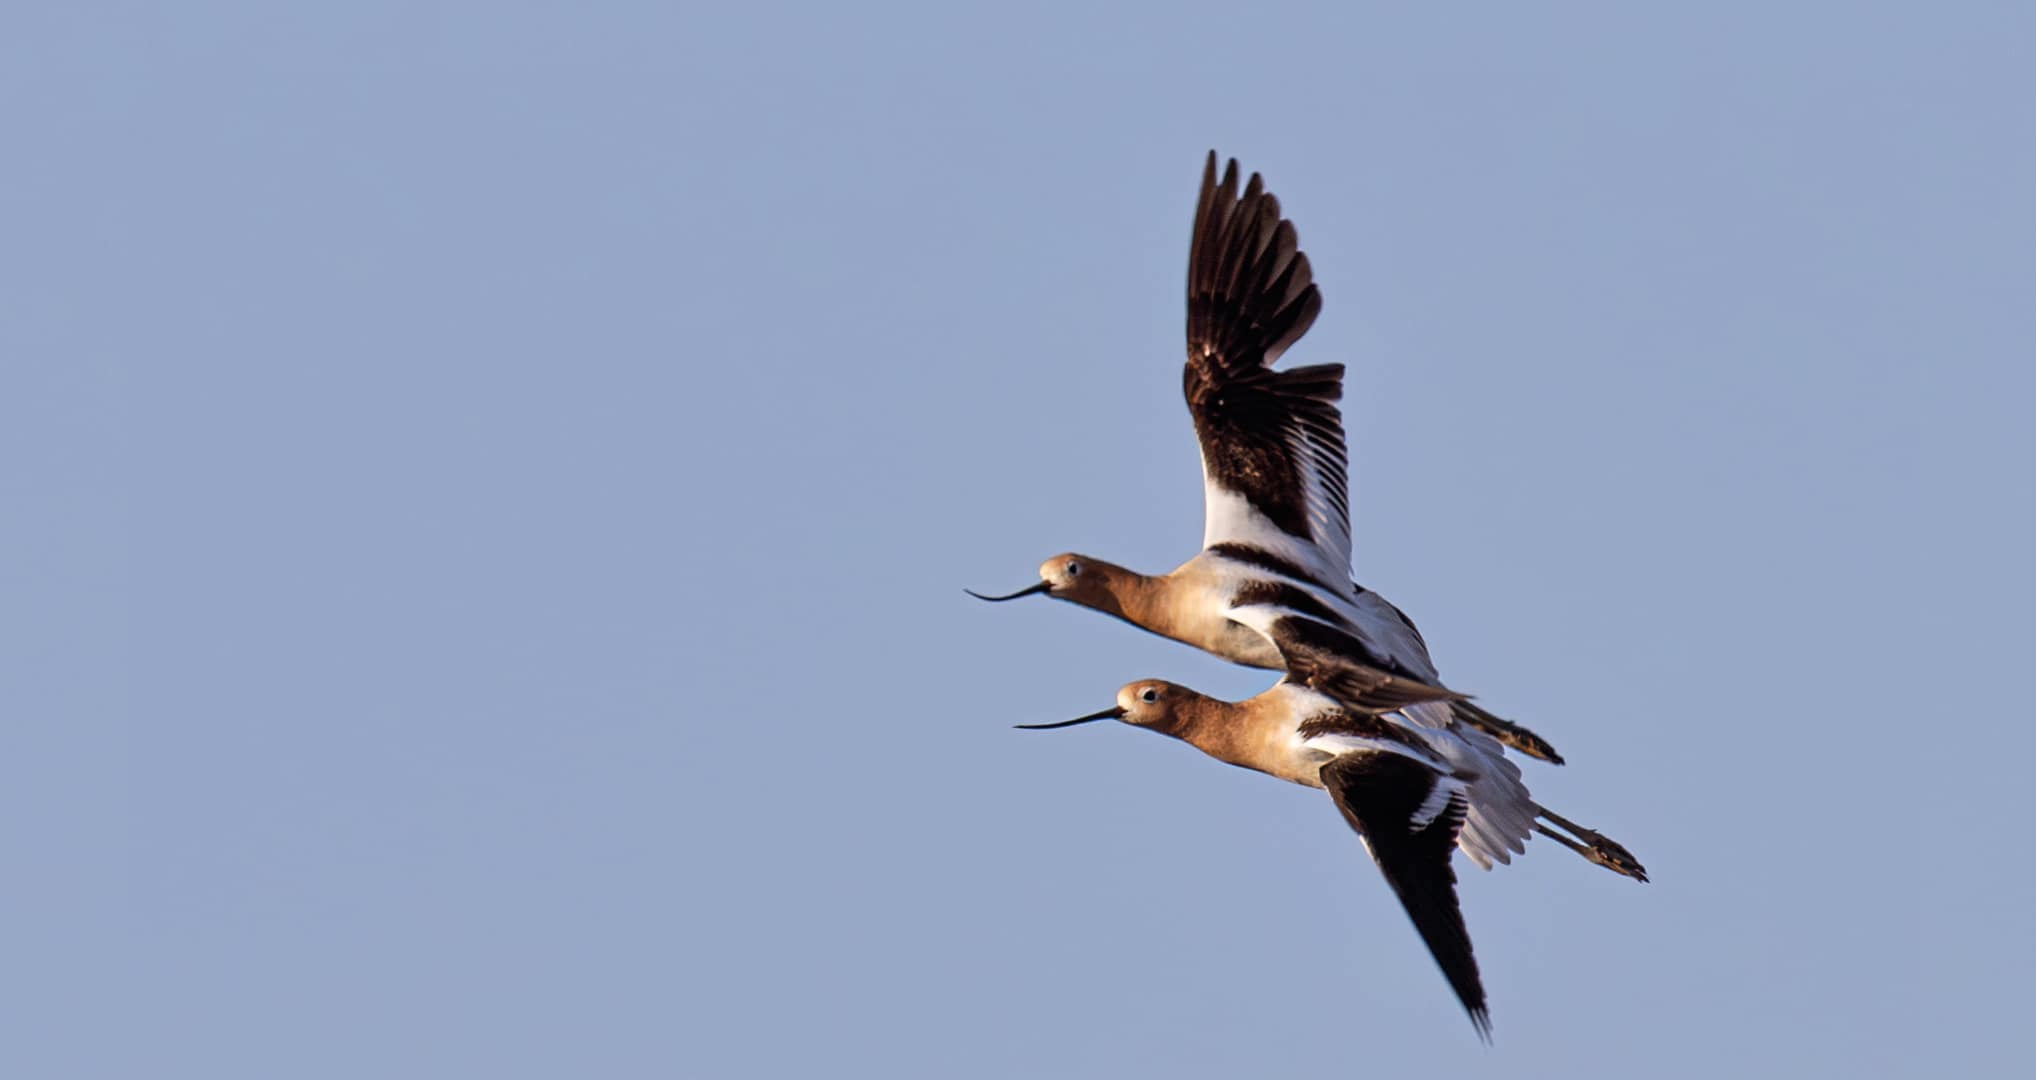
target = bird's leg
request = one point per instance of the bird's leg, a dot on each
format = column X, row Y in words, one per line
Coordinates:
column 1507, row 732
column 1595, row 846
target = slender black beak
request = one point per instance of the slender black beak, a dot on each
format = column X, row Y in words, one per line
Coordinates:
column 1115, row 712
column 1027, row 591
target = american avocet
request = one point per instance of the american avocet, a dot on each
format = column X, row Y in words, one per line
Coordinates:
column 1407, row 790
column 1277, row 517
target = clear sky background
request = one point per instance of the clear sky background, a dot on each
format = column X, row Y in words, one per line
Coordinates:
column 488, row 489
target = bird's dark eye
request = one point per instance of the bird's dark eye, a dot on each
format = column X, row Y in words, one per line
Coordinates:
column 1148, row 695
column 1074, row 569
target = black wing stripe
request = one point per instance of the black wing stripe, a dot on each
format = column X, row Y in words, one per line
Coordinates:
column 1326, row 658
column 1279, row 594
column 1266, row 560
column 1364, row 725
column 1379, row 795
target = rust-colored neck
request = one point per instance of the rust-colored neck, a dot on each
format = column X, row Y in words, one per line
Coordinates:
column 1256, row 734
column 1113, row 590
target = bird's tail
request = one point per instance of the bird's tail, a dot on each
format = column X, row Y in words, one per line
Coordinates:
column 1592, row 845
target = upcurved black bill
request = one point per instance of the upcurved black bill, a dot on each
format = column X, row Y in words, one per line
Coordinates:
column 1027, row 591
column 1114, row 712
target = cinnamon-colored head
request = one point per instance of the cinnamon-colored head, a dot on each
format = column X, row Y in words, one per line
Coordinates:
column 1079, row 579
column 1082, row 580
column 1152, row 702
column 1155, row 704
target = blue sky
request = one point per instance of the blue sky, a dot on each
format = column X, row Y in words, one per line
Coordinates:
column 491, row 485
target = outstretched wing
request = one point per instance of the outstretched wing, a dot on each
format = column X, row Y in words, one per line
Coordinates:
column 1274, row 462
column 1409, row 815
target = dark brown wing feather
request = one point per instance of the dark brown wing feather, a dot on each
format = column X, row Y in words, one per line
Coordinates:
column 1251, row 294
column 1324, row 658
column 1379, row 794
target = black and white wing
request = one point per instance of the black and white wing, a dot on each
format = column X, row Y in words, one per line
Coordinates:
column 1274, row 462
column 1324, row 657
column 1409, row 816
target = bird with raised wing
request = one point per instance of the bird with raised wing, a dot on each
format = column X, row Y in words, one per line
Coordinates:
column 1276, row 529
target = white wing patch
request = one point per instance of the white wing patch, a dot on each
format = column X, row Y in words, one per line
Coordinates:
column 1230, row 518
column 1328, row 521
column 1437, row 801
column 1258, row 617
column 1337, row 744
